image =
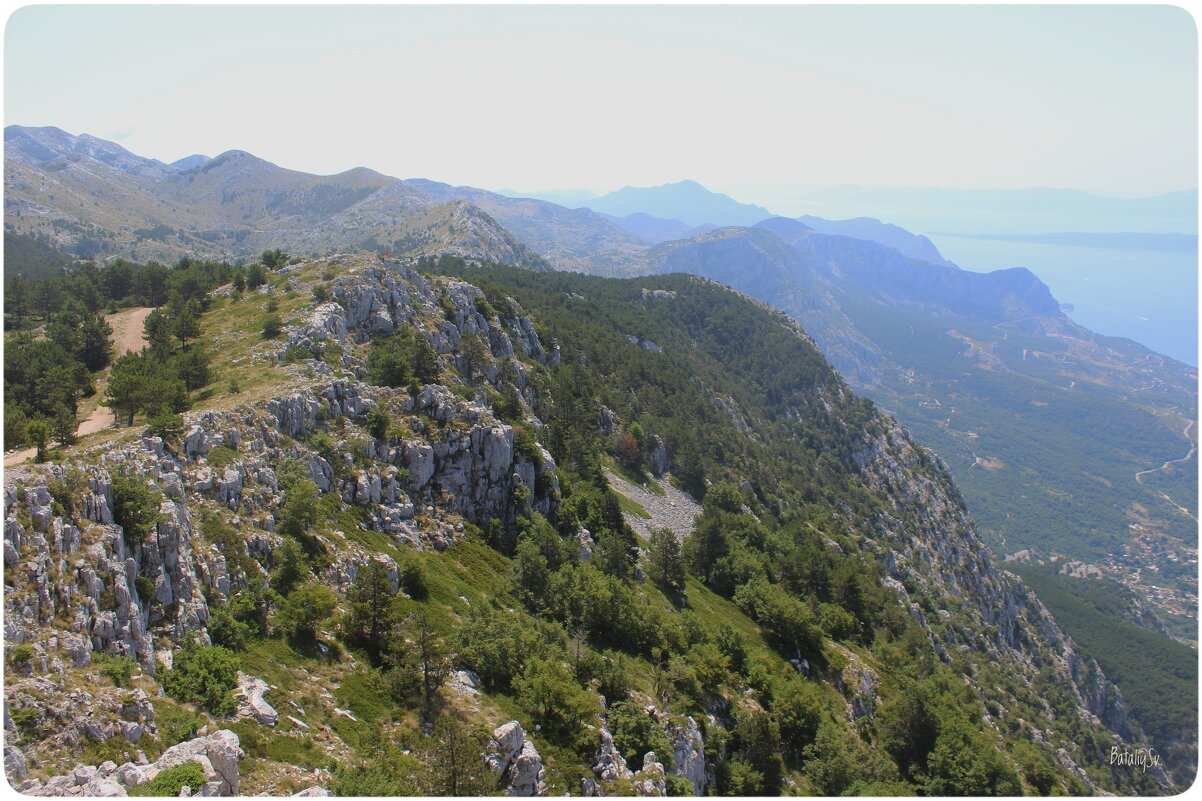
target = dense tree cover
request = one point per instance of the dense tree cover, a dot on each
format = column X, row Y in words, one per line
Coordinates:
column 43, row 383
column 141, row 383
column 1069, row 456
column 401, row 358
column 759, row 427
column 1158, row 676
column 27, row 258
column 112, row 285
column 44, row 378
column 777, row 539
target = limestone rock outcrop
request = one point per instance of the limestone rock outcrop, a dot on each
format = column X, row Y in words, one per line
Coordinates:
column 518, row 761
column 251, row 703
column 217, row 754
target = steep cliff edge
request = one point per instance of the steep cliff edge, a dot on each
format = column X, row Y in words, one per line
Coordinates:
column 486, row 474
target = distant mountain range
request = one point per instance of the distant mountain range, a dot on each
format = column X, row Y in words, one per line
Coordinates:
column 1044, row 424
column 88, row 197
column 876, row 297
column 687, row 201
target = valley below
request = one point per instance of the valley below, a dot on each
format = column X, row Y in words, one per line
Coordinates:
column 366, row 474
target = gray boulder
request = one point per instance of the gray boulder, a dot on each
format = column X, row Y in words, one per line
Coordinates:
column 218, row 755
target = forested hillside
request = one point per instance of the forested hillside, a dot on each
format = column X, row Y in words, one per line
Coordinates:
column 376, row 547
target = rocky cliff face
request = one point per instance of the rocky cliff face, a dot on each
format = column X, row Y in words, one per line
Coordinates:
column 970, row 608
column 76, row 584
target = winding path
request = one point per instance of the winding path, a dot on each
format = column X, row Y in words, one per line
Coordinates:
column 128, row 335
column 1193, row 448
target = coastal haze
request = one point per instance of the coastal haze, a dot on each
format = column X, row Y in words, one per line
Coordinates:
column 601, row 401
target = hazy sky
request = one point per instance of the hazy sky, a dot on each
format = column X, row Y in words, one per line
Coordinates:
column 1090, row 97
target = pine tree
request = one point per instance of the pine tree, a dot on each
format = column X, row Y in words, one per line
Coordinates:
column 369, row 622
column 157, row 329
column 186, row 326
column 664, row 563
column 453, row 763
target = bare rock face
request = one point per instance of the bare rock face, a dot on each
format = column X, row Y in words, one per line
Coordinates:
column 251, row 703
column 14, row 765
column 859, row 684
column 610, row 765
column 508, row 738
column 688, row 753
column 607, row 421
column 217, row 754
column 652, row 779
column 657, row 455
column 526, row 774
column 518, row 760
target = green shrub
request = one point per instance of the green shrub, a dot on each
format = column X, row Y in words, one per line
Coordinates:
column 271, row 326
column 168, row 426
column 203, row 675
column 135, row 507
column 635, row 733
column 378, row 422
column 413, row 576
column 25, row 718
column 305, row 610
column 222, row 456
column 169, row 782
column 20, row 656
column 485, row 308
column 145, row 587
column 836, row 621
column 117, row 669
column 679, row 785
column 174, row 723
column 300, row 509
column 226, row 630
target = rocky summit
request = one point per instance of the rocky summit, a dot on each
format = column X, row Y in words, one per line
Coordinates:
column 444, row 527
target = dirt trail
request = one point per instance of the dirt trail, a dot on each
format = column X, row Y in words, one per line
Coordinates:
column 128, row 335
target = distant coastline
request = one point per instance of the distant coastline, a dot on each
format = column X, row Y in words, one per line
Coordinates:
column 1177, row 243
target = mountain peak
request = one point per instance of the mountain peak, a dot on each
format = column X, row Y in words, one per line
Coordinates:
column 189, row 162
column 32, row 145
column 686, row 200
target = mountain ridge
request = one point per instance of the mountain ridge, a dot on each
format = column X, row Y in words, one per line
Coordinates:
column 687, row 201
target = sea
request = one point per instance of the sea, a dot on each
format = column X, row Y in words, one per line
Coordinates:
column 1150, row 296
